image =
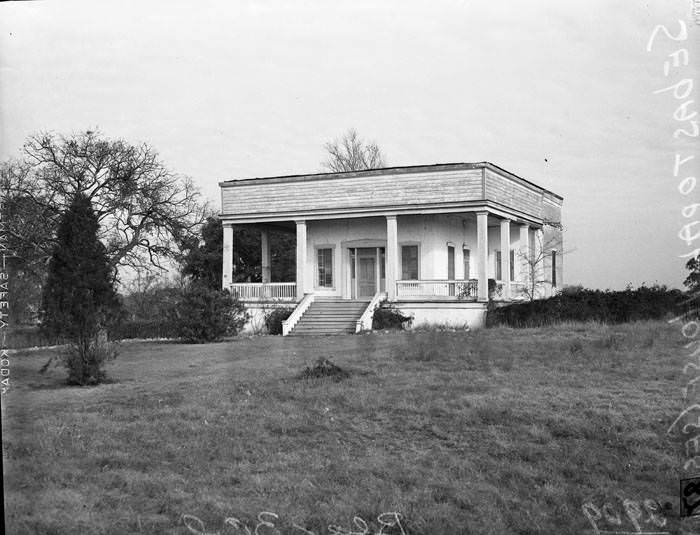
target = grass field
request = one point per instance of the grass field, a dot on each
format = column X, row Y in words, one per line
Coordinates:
column 494, row 432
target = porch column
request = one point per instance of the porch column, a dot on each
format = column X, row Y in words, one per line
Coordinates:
column 392, row 256
column 482, row 254
column 523, row 261
column 301, row 257
column 227, row 271
column 265, row 255
column 538, row 262
column 505, row 257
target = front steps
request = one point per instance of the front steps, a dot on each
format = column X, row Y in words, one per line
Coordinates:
column 330, row 316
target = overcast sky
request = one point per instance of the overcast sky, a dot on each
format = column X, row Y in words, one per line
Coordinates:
column 560, row 93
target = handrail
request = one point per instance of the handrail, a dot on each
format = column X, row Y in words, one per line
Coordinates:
column 365, row 321
column 294, row 317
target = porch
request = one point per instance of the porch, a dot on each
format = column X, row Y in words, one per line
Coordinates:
column 442, row 257
column 406, row 290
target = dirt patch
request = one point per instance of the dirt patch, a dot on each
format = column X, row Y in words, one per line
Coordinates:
column 324, row 368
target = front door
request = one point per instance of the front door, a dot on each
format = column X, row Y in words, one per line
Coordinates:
column 367, row 280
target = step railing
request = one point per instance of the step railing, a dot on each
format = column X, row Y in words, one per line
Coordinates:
column 365, row 321
column 294, row 317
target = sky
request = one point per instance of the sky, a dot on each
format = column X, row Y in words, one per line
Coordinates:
column 560, row 93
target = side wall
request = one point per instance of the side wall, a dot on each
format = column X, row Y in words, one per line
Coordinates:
column 553, row 240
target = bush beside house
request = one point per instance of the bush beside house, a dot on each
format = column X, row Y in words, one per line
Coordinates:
column 579, row 304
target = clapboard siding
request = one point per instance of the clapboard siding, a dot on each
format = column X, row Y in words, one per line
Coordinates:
column 510, row 193
column 251, row 197
column 551, row 211
column 389, row 189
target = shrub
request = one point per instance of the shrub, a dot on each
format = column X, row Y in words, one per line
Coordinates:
column 85, row 360
column 203, row 314
column 388, row 317
column 493, row 288
column 275, row 317
column 577, row 304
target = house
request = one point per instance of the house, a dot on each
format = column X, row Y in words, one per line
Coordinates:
column 424, row 238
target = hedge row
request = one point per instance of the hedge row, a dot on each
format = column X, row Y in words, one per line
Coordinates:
column 643, row 303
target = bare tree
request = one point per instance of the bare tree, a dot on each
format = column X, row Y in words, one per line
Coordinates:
column 350, row 153
column 533, row 262
column 145, row 211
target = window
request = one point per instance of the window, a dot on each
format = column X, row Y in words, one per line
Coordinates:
column 409, row 262
column 450, row 263
column 499, row 272
column 512, row 264
column 554, row 268
column 382, row 263
column 325, row 268
column 467, row 267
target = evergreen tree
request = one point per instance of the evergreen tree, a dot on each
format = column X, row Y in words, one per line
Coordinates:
column 692, row 281
column 79, row 300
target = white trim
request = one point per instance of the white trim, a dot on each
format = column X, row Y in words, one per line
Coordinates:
column 387, row 211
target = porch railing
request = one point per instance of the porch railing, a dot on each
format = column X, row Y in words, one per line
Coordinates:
column 442, row 289
column 259, row 291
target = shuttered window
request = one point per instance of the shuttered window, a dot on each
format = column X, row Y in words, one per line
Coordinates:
column 409, row 262
column 325, row 268
column 467, row 260
column 450, row 262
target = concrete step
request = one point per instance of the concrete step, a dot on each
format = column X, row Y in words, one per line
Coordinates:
column 328, row 316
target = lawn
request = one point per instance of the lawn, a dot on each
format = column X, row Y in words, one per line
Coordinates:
column 493, row 432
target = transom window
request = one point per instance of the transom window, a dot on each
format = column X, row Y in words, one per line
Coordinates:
column 325, row 268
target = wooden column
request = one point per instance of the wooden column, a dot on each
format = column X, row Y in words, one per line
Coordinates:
column 392, row 256
column 227, row 270
column 524, row 270
column 539, row 263
column 265, row 256
column 482, row 254
column 301, row 258
column 505, row 257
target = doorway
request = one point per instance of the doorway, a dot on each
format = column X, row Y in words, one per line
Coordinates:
column 367, row 279
column 367, row 271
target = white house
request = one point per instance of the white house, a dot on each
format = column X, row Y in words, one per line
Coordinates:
column 425, row 238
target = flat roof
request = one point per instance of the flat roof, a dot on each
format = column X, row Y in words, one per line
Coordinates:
column 387, row 171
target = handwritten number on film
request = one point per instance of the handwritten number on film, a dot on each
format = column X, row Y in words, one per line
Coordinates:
column 633, row 512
